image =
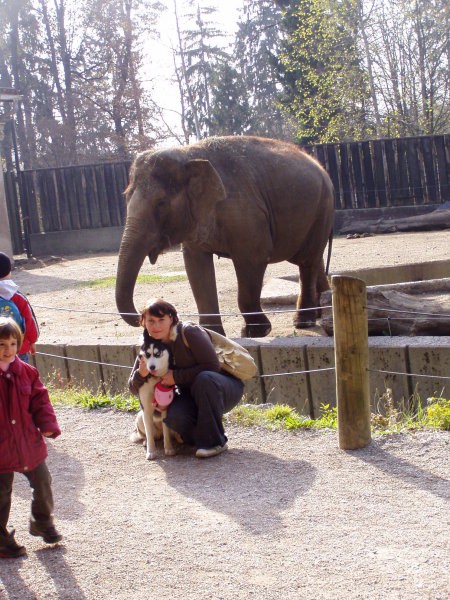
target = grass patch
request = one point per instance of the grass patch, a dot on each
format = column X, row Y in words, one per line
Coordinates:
column 410, row 416
column 281, row 416
column 435, row 415
column 73, row 396
column 110, row 282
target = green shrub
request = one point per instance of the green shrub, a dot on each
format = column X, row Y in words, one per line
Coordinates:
column 74, row 396
column 437, row 413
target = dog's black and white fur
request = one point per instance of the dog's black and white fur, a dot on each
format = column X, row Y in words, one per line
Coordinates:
column 159, row 360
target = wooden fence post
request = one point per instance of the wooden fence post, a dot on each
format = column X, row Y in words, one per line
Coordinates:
column 351, row 349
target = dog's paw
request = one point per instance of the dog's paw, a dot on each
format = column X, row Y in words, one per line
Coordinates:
column 151, row 455
column 170, row 452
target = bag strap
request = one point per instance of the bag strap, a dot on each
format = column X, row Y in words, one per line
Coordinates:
column 183, row 336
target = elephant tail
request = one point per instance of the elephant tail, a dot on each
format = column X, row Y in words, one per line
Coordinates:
column 330, row 245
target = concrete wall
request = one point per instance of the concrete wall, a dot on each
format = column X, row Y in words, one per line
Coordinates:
column 106, row 239
column 305, row 392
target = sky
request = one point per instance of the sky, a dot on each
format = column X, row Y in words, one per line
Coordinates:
column 160, row 59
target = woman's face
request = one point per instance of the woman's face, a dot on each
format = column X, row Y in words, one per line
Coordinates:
column 158, row 327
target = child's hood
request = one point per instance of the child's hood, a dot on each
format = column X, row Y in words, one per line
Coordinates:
column 8, row 288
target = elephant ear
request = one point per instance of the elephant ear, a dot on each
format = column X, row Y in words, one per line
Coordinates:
column 169, row 170
column 204, row 188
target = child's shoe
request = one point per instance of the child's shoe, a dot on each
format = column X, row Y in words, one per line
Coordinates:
column 9, row 548
column 47, row 532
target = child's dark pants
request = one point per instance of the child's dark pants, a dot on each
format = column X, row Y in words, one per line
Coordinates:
column 42, row 503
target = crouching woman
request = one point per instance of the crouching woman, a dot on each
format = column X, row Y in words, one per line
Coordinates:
column 204, row 392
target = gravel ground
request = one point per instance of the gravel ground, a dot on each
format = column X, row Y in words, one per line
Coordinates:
column 279, row 516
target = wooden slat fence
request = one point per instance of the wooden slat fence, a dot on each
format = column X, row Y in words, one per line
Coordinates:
column 369, row 174
column 71, row 198
column 393, row 172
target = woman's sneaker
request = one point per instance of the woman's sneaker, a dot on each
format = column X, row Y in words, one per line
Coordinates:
column 9, row 548
column 208, row 452
column 49, row 534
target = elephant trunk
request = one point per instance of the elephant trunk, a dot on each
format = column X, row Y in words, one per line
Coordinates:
column 131, row 256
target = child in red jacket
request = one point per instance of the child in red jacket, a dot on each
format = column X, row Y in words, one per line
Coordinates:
column 26, row 415
column 10, row 291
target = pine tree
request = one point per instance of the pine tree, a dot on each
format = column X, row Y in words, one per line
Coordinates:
column 198, row 56
column 256, row 54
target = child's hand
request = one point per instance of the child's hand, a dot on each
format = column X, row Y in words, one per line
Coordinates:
column 47, row 433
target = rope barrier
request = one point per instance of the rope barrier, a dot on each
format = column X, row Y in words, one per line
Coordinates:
column 233, row 314
column 93, row 362
column 272, row 312
column 129, row 367
column 286, row 374
column 412, row 312
column 409, row 374
column 297, row 372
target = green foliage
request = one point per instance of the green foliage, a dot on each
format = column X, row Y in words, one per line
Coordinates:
column 74, row 396
column 411, row 415
column 325, row 84
column 437, row 413
column 388, row 421
column 281, row 416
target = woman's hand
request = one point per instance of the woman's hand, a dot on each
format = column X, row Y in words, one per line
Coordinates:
column 168, row 379
column 143, row 371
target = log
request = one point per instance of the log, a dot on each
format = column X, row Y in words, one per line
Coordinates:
column 435, row 220
column 421, row 308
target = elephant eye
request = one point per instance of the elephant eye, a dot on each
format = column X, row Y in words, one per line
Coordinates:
column 161, row 208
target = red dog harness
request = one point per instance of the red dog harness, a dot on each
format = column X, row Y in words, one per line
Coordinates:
column 163, row 396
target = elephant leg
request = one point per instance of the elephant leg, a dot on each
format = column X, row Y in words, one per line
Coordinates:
column 202, row 278
column 313, row 281
column 322, row 280
column 250, row 280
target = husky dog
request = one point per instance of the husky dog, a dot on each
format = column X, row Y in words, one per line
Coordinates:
column 157, row 357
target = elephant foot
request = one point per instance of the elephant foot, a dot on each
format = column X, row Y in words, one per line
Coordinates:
column 303, row 324
column 306, row 319
column 256, row 330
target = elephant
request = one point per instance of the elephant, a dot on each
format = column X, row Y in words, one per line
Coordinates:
column 251, row 199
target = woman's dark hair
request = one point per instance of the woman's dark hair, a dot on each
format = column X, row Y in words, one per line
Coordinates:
column 159, row 308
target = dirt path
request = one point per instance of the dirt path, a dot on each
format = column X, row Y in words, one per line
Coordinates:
column 61, row 286
column 281, row 516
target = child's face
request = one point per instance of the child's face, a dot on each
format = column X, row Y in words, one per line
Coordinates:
column 8, row 349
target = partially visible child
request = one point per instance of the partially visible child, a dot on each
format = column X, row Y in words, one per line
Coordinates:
column 26, row 415
column 10, row 291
